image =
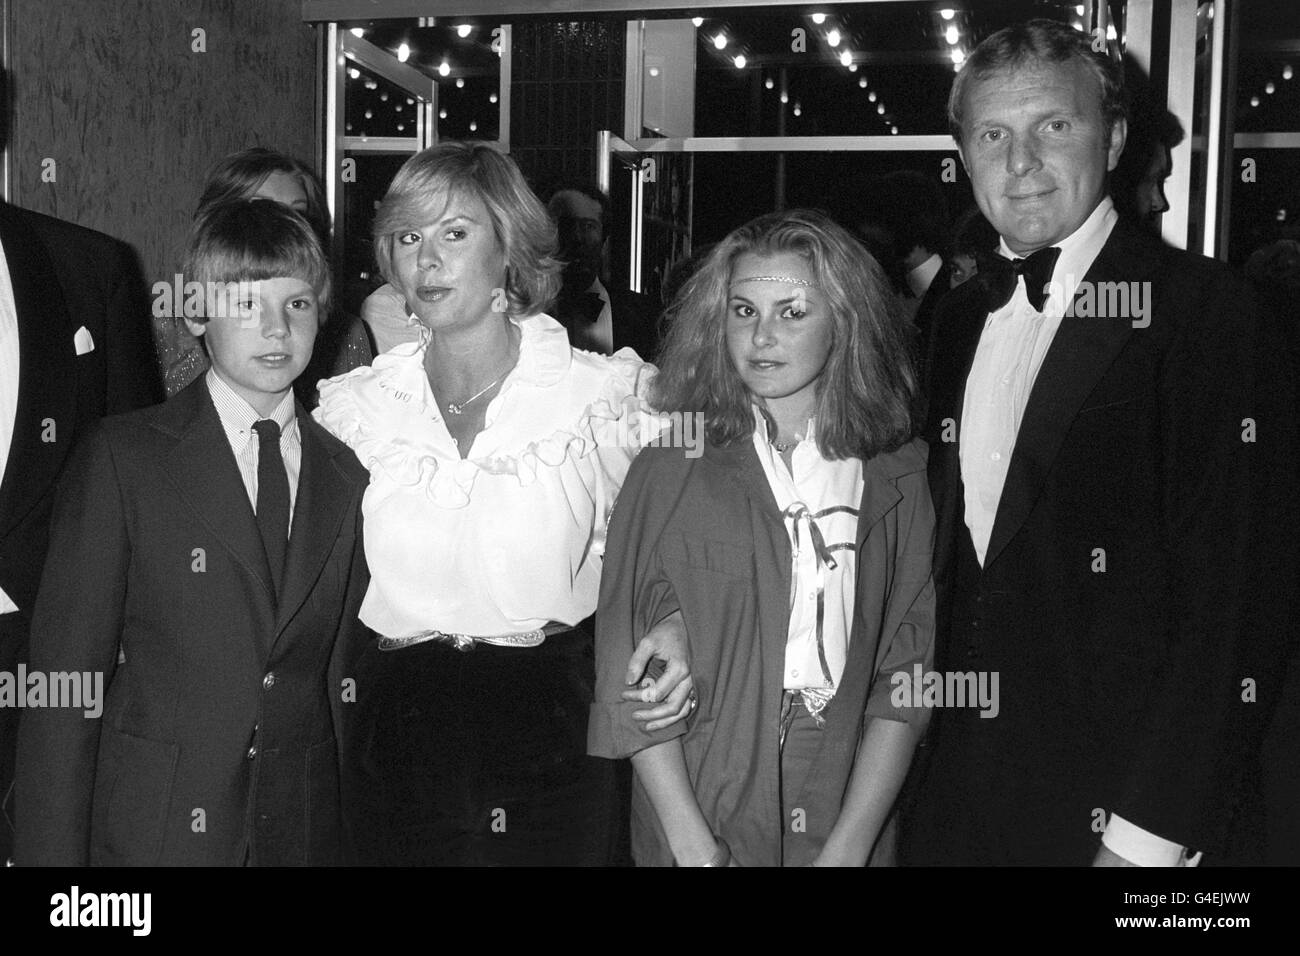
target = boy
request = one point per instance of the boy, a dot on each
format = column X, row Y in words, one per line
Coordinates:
column 206, row 560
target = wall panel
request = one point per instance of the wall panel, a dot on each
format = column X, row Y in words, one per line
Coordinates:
column 133, row 117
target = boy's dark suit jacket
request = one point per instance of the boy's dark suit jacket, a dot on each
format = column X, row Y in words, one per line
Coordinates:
column 1123, row 690
column 64, row 277
column 217, row 741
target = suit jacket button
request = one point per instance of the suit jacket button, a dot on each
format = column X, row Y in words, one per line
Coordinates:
column 252, row 751
column 269, row 680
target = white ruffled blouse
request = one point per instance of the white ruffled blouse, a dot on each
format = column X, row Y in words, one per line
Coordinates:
column 512, row 537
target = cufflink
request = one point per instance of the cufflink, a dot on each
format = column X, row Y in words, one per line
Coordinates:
column 83, row 341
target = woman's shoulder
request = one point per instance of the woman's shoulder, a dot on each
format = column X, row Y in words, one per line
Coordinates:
column 579, row 368
column 909, row 458
column 363, row 392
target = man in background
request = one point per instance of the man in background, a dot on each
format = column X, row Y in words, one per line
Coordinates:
column 75, row 345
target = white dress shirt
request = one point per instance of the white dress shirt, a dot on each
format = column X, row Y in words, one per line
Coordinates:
column 599, row 335
column 9, row 371
column 816, row 492
column 237, row 418
column 920, row 278
column 385, row 311
column 512, row 537
column 1011, row 350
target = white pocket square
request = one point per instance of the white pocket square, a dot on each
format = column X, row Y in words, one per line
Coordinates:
column 83, row 341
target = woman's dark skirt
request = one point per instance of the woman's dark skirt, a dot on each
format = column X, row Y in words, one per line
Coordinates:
column 479, row 758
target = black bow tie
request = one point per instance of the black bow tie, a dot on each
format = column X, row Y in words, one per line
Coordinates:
column 998, row 276
column 580, row 307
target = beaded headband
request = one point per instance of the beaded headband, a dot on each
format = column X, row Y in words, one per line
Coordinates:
column 789, row 280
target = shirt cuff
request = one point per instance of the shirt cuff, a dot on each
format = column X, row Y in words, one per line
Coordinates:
column 1142, row 847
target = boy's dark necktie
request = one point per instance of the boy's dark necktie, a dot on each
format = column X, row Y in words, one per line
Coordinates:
column 272, row 497
column 999, row 277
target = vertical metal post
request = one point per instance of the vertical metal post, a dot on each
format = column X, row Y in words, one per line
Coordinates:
column 1218, row 133
column 1181, row 102
column 7, row 120
column 604, row 161
column 778, row 198
column 332, row 148
column 633, row 80
column 503, row 94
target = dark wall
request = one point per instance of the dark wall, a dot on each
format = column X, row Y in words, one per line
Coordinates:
column 566, row 85
column 133, row 118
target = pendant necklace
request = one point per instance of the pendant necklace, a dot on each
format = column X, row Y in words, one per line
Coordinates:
column 458, row 408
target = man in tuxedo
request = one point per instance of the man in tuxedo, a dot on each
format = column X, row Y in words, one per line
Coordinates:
column 1112, row 437
column 599, row 319
column 75, row 345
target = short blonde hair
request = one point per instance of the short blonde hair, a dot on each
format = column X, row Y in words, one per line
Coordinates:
column 426, row 183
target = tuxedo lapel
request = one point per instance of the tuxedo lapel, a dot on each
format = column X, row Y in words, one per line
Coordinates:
column 958, row 325
column 46, row 413
column 1080, row 353
column 323, row 494
column 207, row 478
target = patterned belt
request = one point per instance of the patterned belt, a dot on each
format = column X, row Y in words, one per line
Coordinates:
column 466, row 642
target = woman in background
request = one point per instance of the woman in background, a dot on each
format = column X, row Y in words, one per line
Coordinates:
column 260, row 173
column 796, row 550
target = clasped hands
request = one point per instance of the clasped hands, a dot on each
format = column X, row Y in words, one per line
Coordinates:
column 673, row 689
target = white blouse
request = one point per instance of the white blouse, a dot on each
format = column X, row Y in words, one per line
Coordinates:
column 512, row 537
column 819, row 501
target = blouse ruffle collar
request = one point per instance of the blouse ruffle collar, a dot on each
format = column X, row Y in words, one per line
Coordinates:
column 359, row 409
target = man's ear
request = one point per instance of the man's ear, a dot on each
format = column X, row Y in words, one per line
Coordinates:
column 961, row 154
column 1118, row 136
column 196, row 327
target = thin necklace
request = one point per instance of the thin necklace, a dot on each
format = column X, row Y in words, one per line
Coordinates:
column 458, row 408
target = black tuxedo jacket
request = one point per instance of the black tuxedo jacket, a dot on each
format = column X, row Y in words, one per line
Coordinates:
column 64, row 278
column 634, row 318
column 1139, row 584
column 217, row 740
